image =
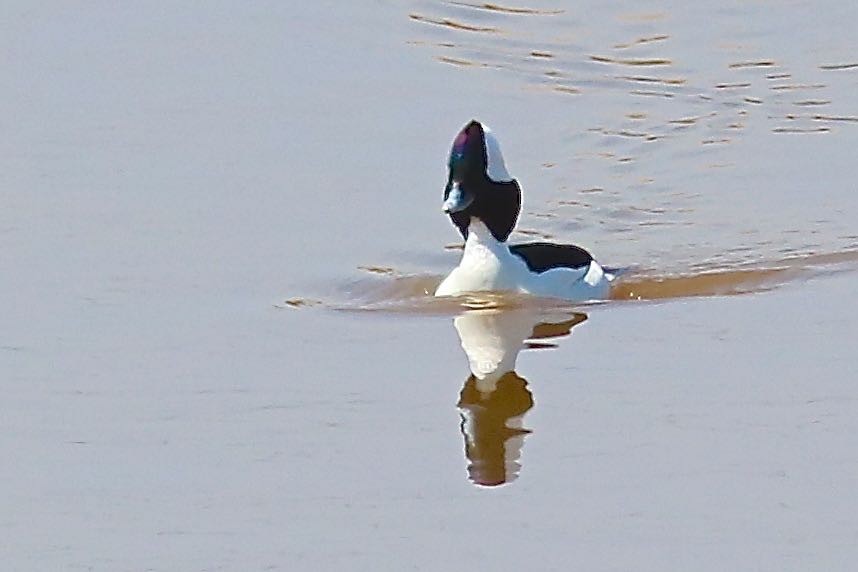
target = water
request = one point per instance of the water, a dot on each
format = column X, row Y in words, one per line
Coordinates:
column 219, row 224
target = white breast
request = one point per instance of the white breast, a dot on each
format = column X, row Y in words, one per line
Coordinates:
column 486, row 265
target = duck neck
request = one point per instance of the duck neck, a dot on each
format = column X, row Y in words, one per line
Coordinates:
column 481, row 242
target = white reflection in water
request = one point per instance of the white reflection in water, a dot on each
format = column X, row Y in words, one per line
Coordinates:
column 494, row 398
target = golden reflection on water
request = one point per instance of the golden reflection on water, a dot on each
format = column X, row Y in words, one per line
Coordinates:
column 732, row 281
column 495, row 398
column 385, row 290
column 491, row 426
column 723, row 283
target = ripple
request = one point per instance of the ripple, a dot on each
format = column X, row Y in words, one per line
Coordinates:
column 830, row 67
column 566, row 89
column 651, row 93
column 687, row 120
column 737, row 85
column 299, row 303
column 638, row 62
column 812, row 102
column 452, row 24
column 797, row 86
column 569, row 203
column 752, row 64
column 384, row 270
column 848, row 118
column 536, row 233
column 801, row 130
column 626, row 133
column 461, row 62
column 649, row 79
column 507, row 9
column 642, row 41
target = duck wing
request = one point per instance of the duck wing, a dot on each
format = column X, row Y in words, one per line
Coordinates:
column 543, row 256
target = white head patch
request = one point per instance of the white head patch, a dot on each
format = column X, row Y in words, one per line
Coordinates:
column 495, row 168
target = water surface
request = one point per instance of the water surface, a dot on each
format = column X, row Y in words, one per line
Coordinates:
column 220, row 224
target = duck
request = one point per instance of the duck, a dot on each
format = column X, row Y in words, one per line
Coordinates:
column 484, row 202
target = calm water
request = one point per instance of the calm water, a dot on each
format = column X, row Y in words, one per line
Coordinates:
column 219, row 221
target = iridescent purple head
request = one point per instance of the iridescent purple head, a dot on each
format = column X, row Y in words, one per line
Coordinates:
column 476, row 151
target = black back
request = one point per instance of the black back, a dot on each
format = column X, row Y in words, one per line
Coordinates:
column 542, row 256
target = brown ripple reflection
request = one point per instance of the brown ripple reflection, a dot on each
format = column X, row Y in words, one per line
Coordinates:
column 756, row 64
column 801, row 130
column 492, row 417
column 830, row 67
column 848, row 118
column 643, row 62
column 723, row 283
column 507, row 9
column 648, row 79
column 728, row 282
column 797, row 86
column 812, row 102
column 652, row 93
column 453, row 24
column 460, row 62
column 641, row 41
column 566, row 89
column 403, row 294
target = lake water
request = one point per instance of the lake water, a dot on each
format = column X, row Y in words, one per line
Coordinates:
column 218, row 223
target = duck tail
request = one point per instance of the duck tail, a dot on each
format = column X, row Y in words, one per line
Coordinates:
column 613, row 273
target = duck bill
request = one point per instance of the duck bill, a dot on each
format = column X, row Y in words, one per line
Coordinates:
column 457, row 200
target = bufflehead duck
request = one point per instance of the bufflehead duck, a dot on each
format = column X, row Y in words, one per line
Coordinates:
column 484, row 202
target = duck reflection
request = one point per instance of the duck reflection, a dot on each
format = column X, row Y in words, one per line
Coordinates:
column 495, row 398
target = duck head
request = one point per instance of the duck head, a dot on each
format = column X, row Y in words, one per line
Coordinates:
column 478, row 185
